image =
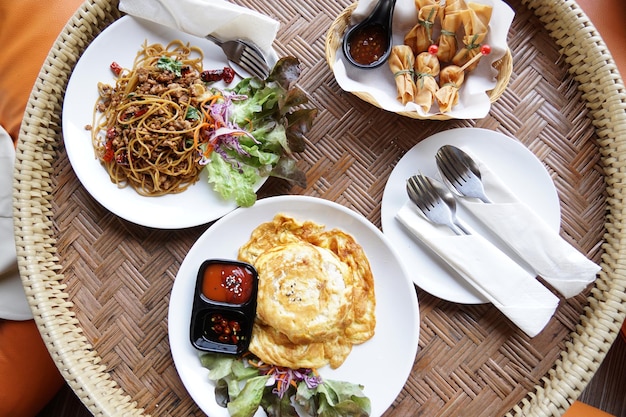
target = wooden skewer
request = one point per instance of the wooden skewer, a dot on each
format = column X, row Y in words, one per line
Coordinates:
column 484, row 50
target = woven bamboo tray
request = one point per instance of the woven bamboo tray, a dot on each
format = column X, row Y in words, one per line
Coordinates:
column 334, row 38
column 99, row 286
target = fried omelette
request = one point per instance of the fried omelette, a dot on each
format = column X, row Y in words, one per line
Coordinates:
column 315, row 296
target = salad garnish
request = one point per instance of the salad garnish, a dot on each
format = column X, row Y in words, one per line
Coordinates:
column 245, row 384
column 253, row 130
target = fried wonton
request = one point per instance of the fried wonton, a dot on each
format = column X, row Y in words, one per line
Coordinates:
column 451, row 21
column 420, row 37
column 402, row 64
column 476, row 24
column 450, row 80
column 426, row 69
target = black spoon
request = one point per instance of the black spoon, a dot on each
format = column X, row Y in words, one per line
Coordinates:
column 368, row 44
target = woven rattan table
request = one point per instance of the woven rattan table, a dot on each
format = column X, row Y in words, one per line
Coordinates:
column 99, row 286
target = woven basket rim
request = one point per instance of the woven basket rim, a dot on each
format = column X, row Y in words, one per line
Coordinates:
column 82, row 366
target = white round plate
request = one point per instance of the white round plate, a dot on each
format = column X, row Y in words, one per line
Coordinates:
column 523, row 173
column 120, row 42
column 382, row 364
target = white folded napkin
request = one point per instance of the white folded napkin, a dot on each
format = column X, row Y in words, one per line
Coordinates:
column 509, row 287
column 220, row 18
column 13, row 302
column 530, row 237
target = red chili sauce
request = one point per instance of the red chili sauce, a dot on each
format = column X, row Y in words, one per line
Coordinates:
column 368, row 44
column 227, row 283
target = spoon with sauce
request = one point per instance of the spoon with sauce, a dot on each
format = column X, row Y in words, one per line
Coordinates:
column 368, row 44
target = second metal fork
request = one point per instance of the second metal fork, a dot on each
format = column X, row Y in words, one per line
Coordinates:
column 244, row 54
column 435, row 201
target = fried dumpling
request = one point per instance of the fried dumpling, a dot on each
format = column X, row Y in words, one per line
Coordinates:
column 476, row 24
column 450, row 80
column 426, row 70
column 420, row 37
column 451, row 21
column 402, row 64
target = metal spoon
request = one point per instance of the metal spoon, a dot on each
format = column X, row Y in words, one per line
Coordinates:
column 435, row 201
column 378, row 22
column 461, row 172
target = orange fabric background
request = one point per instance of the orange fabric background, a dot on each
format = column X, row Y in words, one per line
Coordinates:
column 579, row 409
column 28, row 29
column 28, row 376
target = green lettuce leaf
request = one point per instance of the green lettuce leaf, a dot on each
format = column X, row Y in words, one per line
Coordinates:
column 232, row 183
column 243, row 388
column 276, row 127
column 220, row 366
column 249, row 399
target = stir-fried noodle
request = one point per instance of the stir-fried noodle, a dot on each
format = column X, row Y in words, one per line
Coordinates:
column 145, row 127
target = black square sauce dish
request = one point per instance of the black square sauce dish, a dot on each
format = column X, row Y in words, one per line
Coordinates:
column 224, row 306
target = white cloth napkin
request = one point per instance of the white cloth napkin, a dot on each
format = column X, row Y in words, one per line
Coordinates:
column 530, row 237
column 509, row 287
column 220, row 18
column 13, row 303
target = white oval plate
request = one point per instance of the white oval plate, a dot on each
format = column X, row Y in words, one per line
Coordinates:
column 382, row 364
column 509, row 159
column 120, row 42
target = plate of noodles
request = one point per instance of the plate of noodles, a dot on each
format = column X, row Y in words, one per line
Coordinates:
column 189, row 203
column 381, row 364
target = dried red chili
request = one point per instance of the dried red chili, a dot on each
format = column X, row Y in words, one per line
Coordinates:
column 229, row 75
column 226, row 74
column 116, row 68
column 140, row 112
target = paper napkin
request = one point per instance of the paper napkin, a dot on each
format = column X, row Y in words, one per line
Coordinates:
column 509, row 287
column 530, row 237
column 13, row 302
column 220, row 18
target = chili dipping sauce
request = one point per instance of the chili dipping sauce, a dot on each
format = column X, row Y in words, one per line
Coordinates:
column 227, row 283
column 368, row 44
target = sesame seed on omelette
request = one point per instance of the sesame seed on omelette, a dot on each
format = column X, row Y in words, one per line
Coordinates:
column 315, row 296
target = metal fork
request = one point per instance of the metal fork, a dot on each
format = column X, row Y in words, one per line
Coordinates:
column 245, row 55
column 461, row 172
column 435, row 201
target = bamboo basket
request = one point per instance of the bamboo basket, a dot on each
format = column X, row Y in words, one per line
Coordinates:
column 334, row 38
column 99, row 286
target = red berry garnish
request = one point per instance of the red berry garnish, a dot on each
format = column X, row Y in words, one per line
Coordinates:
column 432, row 49
column 485, row 49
